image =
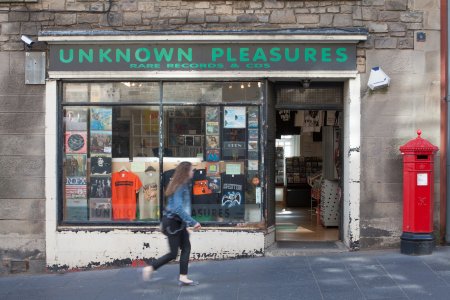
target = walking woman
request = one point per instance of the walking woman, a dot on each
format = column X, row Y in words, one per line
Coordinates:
column 176, row 219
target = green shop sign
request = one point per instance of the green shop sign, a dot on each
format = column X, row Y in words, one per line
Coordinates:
column 203, row 57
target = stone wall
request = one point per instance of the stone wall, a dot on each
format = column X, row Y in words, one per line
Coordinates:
column 390, row 117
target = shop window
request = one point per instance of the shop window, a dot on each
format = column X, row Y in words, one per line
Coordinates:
column 212, row 92
column 111, row 152
column 112, row 92
column 109, row 168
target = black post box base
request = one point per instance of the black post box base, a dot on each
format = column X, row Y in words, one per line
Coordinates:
column 417, row 243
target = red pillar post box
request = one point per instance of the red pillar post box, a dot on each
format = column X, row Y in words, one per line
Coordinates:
column 418, row 188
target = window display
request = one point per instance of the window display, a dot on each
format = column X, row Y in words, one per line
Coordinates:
column 111, row 161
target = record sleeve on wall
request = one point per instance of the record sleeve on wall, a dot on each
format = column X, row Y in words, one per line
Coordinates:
column 75, row 119
column 76, row 210
column 101, row 142
column 75, row 165
column 100, row 187
column 212, row 155
column 100, row 209
column 75, row 142
column 212, row 142
column 100, row 164
column 212, row 114
column 75, row 188
column 101, row 118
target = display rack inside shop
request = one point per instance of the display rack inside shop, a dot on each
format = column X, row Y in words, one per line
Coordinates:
column 279, row 166
column 297, row 171
column 185, row 132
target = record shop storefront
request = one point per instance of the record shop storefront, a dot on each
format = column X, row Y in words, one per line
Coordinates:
column 122, row 110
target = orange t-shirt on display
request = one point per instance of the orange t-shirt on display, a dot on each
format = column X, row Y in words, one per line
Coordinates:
column 125, row 185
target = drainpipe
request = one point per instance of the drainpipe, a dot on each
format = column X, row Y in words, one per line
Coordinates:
column 447, row 150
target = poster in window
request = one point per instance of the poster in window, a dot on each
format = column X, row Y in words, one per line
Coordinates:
column 212, row 127
column 252, row 124
column 234, row 117
column 100, row 187
column 212, row 113
column 253, row 145
column 234, row 150
column 100, row 164
column 233, row 195
column 75, row 119
column 100, row 209
column 101, row 142
column 212, row 142
column 234, row 168
column 252, row 114
column 212, row 169
column 101, row 118
column 253, row 154
column 76, row 210
column 214, row 183
column 252, row 165
column 212, row 155
column 75, row 188
column 75, row 142
column 253, row 134
column 75, row 165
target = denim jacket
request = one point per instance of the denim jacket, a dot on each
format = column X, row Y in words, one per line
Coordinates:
column 179, row 203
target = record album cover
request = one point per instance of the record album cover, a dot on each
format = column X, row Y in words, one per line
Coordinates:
column 75, row 119
column 101, row 118
column 75, row 142
column 75, row 165
column 101, row 142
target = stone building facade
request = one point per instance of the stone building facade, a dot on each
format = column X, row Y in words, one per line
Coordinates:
column 389, row 117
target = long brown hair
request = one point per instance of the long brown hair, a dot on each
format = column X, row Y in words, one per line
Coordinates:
column 180, row 177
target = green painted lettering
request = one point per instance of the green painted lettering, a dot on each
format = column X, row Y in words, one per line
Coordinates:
column 243, row 54
column 259, row 55
column 146, row 53
column 183, row 54
column 83, row 55
column 162, row 53
column 326, row 54
column 288, row 55
column 121, row 55
column 216, row 53
column 310, row 54
column 103, row 55
column 63, row 59
column 229, row 57
column 275, row 54
column 342, row 55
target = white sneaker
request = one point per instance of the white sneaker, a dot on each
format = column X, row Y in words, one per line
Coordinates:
column 147, row 273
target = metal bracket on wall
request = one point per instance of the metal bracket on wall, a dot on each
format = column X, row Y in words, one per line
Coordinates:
column 35, row 67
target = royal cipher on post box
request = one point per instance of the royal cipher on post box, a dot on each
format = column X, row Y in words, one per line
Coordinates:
column 418, row 188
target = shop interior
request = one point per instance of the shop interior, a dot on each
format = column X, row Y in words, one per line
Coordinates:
column 308, row 168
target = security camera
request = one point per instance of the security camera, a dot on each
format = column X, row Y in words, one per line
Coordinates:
column 27, row 40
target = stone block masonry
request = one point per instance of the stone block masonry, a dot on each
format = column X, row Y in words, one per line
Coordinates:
column 389, row 117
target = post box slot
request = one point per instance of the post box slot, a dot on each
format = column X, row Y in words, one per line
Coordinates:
column 422, row 156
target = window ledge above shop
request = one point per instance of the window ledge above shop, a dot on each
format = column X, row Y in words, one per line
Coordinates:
column 355, row 34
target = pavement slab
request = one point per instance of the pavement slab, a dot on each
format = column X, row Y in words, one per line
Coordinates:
column 371, row 275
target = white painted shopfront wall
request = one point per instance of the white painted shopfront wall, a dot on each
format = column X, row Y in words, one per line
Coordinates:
column 84, row 246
